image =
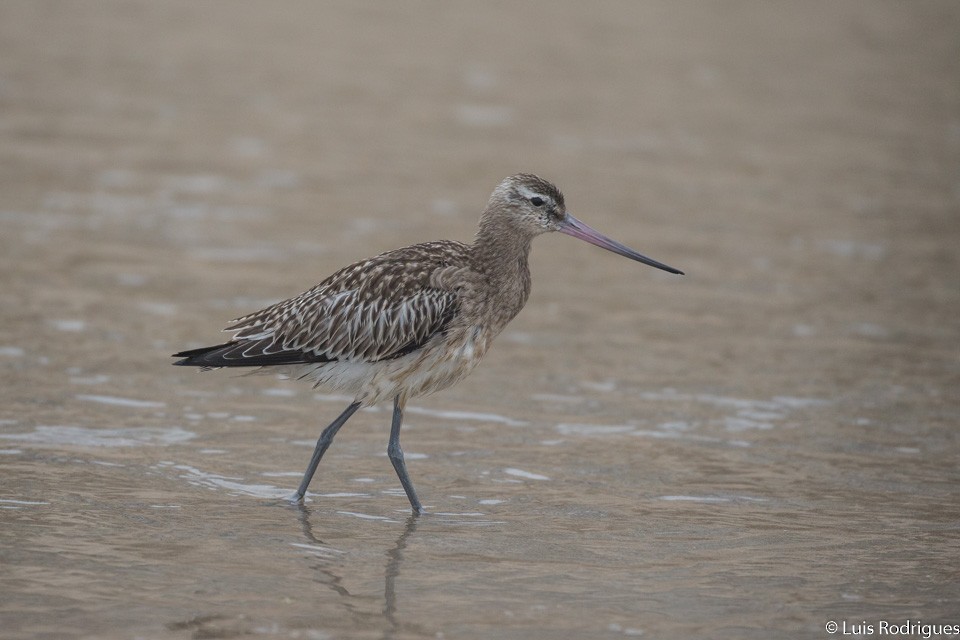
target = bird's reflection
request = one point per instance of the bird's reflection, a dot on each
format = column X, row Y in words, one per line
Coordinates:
column 331, row 578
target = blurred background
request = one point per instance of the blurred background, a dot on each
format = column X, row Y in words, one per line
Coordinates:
column 167, row 166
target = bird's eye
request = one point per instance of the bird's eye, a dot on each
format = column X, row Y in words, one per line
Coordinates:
column 536, row 201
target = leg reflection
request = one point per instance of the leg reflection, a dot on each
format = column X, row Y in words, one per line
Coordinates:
column 394, row 560
column 336, row 572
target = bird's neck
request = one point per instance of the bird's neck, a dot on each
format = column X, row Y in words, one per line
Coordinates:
column 501, row 255
column 501, row 251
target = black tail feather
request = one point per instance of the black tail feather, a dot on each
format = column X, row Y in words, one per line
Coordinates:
column 241, row 354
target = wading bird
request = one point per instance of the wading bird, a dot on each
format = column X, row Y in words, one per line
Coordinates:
column 407, row 322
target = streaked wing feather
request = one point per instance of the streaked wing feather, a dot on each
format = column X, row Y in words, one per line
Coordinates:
column 367, row 330
column 377, row 309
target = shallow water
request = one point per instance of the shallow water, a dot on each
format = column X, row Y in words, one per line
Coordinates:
column 754, row 450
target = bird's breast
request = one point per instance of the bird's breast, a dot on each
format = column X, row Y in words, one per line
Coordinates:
column 445, row 362
column 472, row 344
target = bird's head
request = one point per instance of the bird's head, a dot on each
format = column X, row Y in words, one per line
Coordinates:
column 531, row 205
column 529, row 202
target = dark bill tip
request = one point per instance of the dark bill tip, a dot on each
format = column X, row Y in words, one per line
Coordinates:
column 573, row 227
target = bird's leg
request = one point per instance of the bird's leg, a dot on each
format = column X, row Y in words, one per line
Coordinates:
column 396, row 457
column 323, row 442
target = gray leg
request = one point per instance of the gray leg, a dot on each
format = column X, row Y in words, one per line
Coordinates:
column 322, row 444
column 396, row 457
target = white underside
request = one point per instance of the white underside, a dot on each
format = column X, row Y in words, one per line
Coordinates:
column 432, row 368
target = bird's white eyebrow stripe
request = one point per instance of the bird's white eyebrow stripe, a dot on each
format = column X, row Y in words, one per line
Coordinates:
column 530, row 193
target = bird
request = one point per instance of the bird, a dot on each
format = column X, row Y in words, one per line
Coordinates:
column 407, row 322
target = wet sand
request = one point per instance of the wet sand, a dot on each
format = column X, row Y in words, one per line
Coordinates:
column 753, row 450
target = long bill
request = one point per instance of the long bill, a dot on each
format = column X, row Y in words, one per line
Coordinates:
column 573, row 227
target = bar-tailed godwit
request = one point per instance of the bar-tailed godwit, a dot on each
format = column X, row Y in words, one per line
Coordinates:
column 407, row 322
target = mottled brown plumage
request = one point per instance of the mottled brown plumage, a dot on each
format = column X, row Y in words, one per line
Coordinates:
column 410, row 321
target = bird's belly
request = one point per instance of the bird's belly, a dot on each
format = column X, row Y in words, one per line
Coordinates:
column 438, row 365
